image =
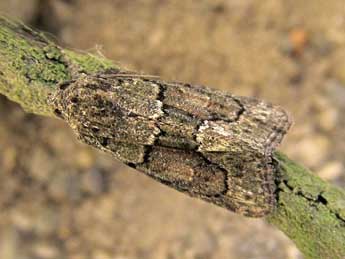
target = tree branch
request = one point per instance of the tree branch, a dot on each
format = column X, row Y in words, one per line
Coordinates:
column 31, row 66
column 310, row 211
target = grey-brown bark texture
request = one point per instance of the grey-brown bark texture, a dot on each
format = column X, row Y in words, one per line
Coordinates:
column 203, row 142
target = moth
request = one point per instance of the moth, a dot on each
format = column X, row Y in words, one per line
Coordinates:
column 203, row 142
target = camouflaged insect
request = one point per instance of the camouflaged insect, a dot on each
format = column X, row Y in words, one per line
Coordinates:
column 200, row 141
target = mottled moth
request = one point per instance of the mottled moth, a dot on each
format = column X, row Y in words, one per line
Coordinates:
column 204, row 142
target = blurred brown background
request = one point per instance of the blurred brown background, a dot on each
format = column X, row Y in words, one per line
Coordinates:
column 61, row 199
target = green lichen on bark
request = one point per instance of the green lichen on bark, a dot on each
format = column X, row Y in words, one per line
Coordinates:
column 31, row 65
column 87, row 62
column 310, row 211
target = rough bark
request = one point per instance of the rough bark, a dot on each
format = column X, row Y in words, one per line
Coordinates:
column 310, row 211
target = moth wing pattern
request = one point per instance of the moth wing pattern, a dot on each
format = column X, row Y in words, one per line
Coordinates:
column 200, row 141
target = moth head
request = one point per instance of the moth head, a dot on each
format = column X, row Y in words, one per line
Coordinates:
column 56, row 100
column 66, row 99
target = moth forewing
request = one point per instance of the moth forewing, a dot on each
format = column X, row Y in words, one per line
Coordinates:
column 203, row 142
